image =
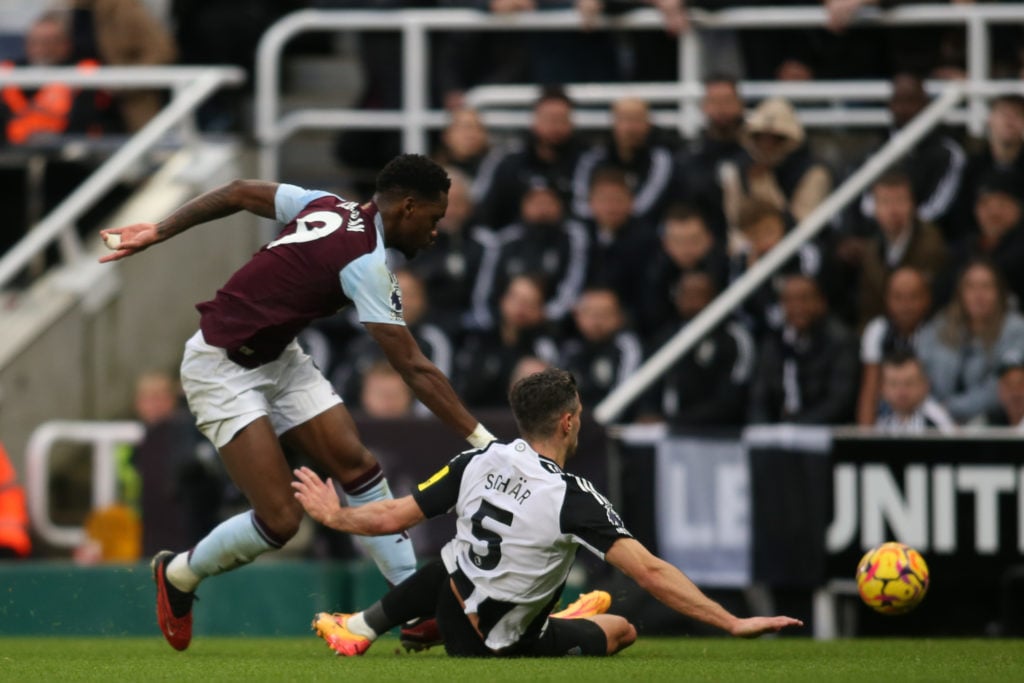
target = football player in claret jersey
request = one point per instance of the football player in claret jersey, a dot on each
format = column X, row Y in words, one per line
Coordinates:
column 521, row 518
column 252, row 389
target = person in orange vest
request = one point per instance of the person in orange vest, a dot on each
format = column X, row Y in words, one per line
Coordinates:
column 14, row 539
column 55, row 108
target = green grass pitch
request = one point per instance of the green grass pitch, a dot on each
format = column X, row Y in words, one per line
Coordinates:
column 651, row 659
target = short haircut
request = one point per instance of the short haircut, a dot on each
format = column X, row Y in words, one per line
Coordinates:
column 611, row 175
column 897, row 358
column 755, row 210
column 539, row 401
column 552, row 92
column 683, row 212
column 721, row 77
column 413, row 174
column 895, row 177
column 1012, row 99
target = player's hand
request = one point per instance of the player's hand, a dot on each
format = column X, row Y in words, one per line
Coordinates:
column 133, row 239
column 758, row 626
column 316, row 496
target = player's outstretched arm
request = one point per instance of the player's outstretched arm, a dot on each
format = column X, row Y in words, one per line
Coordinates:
column 427, row 382
column 320, row 501
column 672, row 587
column 254, row 196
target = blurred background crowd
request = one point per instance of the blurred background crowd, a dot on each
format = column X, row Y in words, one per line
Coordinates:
column 589, row 250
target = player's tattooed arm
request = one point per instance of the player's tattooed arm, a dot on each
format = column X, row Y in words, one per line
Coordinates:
column 254, row 196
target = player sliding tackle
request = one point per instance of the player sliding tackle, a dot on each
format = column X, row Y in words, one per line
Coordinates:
column 520, row 521
column 252, row 389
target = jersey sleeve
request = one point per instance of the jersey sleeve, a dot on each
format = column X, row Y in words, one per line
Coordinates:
column 373, row 288
column 289, row 200
column 438, row 495
column 589, row 517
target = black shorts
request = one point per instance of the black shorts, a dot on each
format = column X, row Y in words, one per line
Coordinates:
column 561, row 637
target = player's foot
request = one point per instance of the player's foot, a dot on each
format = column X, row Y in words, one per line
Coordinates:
column 421, row 634
column 173, row 606
column 333, row 629
column 587, row 605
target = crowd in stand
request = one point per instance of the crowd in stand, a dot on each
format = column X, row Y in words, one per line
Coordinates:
column 590, row 254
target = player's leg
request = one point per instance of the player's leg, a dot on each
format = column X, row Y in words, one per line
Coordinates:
column 597, row 636
column 231, row 410
column 332, row 440
column 416, row 597
column 618, row 631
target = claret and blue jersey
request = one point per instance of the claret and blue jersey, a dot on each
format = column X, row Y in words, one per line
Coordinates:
column 330, row 254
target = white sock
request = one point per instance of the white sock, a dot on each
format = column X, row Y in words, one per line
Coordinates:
column 357, row 625
column 235, row 541
column 181, row 575
column 393, row 553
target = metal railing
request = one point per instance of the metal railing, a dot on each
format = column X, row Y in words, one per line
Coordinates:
column 190, row 87
column 724, row 304
column 104, row 438
column 415, row 117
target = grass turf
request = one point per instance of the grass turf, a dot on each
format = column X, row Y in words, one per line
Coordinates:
column 651, row 659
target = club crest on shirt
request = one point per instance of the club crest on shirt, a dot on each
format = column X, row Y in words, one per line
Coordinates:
column 396, row 298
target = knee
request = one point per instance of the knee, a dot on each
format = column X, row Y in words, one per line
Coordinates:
column 282, row 522
column 621, row 635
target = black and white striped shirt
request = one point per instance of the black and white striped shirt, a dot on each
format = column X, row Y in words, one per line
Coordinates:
column 520, row 522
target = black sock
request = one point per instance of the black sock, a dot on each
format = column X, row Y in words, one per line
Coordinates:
column 415, row 597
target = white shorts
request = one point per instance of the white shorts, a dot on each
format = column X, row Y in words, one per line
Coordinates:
column 224, row 396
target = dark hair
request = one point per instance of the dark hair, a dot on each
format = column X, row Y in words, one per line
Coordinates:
column 896, row 176
column 552, row 92
column 1011, row 99
column 413, row 174
column 683, row 212
column 720, row 77
column 900, row 357
column 754, row 210
column 539, row 401
column 612, row 175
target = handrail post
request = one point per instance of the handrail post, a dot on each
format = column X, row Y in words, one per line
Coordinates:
column 414, row 84
column 978, row 69
column 690, row 75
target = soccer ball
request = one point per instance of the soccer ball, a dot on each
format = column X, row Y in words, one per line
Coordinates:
column 892, row 578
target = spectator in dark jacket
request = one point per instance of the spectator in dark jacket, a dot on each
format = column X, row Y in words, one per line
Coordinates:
column 620, row 245
column 548, row 156
column 686, row 245
column 182, row 481
column 708, row 386
column 1002, row 149
column 762, row 226
column 999, row 212
column 449, row 270
column 808, row 373
column 719, row 142
column 935, row 164
column 543, row 242
column 464, row 143
column 902, row 239
column 633, row 148
column 604, row 352
column 487, row 358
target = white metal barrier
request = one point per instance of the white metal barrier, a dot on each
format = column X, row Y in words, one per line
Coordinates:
column 104, row 439
column 190, row 87
column 727, row 301
column 415, row 118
